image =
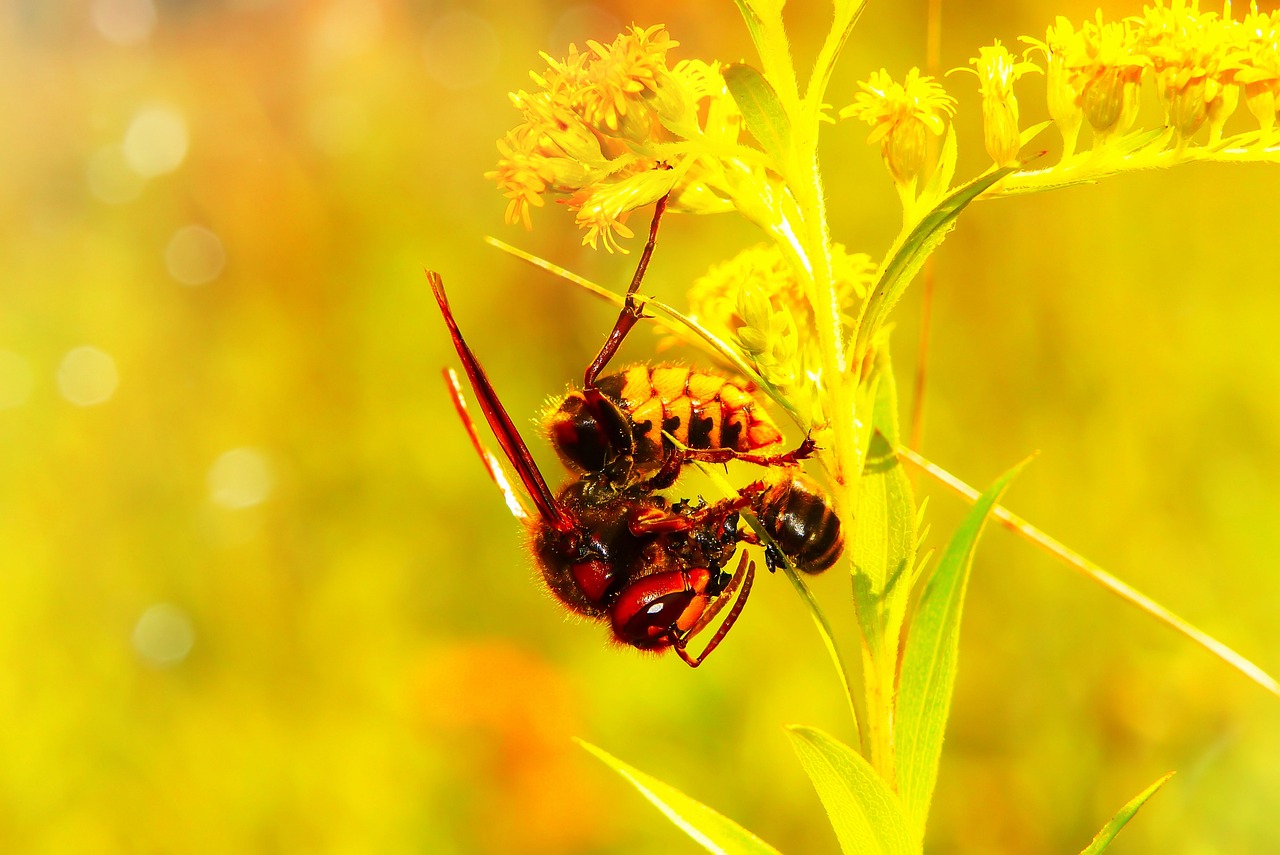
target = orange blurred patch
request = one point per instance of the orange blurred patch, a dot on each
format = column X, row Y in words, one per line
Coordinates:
column 508, row 718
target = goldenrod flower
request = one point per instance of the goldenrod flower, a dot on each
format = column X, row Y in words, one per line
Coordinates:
column 1062, row 43
column 602, row 208
column 626, row 69
column 612, row 128
column 757, row 301
column 1110, row 69
column 997, row 71
column 1254, row 64
column 1187, row 48
column 901, row 115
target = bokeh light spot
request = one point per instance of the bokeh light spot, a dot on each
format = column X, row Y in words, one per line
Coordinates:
column 338, row 125
column 194, row 255
column 110, row 178
column 156, row 141
column 461, row 51
column 240, row 478
column 87, row 376
column 347, row 28
column 163, row 635
column 579, row 23
column 124, row 22
column 16, row 380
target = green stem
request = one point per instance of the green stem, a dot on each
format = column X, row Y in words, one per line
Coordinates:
column 876, row 689
column 877, row 683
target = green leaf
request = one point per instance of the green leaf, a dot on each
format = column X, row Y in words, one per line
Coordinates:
column 929, row 661
column 909, row 254
column 769, row 34
column 943, row 171
column 846, row 14
column 762, row 111
column 884, row 547
column 1028, row 134
column 865, row 813
column 1109, row 831
column 713, row 831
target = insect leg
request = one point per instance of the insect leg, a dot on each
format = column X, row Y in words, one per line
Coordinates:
column 631, row 310
column 743, row 577
column 724, row 455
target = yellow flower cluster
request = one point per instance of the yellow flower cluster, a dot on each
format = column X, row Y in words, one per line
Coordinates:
column 612, row 129
column 1201, row 62
column 757, row 301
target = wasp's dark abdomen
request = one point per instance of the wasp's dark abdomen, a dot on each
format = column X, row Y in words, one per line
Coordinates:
column 802, row 524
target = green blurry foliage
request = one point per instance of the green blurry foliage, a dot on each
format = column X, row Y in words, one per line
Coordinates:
column 372, row 665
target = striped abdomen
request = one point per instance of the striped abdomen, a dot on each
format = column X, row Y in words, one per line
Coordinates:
column 802, row 524
column 701, row 409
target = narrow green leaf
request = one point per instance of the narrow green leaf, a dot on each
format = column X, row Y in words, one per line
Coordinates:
column 909, row 255
column 769, row 34
column 929, row 661
column 865, row 813
column 846, row 14
column 1028, row 134
column 762, row 111
column 711, row 830
column 1109, row 831
column 885, row 546
column 943, row 171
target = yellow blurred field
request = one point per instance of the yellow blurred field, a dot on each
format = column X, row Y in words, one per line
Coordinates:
column 257, row 595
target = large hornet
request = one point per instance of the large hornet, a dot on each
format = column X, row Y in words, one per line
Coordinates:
column 611, row 549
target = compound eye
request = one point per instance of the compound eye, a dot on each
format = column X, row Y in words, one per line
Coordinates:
column 651, row 626
column 649, row 612
column 578, row 437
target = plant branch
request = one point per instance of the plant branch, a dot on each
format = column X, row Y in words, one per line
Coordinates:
column 1078, row 562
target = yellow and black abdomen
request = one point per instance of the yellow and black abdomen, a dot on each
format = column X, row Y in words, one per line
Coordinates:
column 700, row 409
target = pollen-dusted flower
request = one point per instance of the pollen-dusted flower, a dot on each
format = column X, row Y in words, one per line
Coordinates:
column 1187, row 48
column 997, row 71
column 1110, row 69
column 601, row 210
column 613, row 128
column 623, row 71
column 1254, row 64
column 902, row 115
column 756, row 300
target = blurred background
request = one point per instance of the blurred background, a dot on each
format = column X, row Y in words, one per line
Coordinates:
column 257, row 595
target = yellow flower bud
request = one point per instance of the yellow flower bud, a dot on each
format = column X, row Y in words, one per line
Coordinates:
column 902, row 116
column 1260, row 98
column 1189, row 106
column 997, row 71
column 1000, row 130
